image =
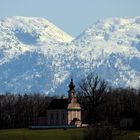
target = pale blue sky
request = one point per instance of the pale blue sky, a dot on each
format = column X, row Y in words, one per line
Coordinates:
column 73, row 16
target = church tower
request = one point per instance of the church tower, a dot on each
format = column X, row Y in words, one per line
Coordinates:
column 74, row 109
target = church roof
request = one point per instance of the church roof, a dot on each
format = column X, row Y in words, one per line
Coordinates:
column 58, row 104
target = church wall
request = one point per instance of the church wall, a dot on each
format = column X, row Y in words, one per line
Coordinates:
column 73, row 114
column 57, row 117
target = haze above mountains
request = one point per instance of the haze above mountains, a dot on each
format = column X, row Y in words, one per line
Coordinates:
column 38, row 57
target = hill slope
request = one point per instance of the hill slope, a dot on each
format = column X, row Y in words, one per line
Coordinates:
column 36, row 56
column 113, row 48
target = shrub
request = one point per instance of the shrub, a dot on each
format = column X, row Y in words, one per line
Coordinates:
column 99, row 132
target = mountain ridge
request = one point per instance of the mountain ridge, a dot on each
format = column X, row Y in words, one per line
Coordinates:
column 36, row 58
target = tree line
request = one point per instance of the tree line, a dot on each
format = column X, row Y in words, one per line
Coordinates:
column 99, row 103
column 103, row 103
column 19, row 111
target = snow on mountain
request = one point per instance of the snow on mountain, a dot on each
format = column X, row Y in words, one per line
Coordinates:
column 31, row 52
column 113, row 48
column 19, row 34
column 36, row 56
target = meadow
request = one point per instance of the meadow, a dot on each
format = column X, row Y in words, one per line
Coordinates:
column 57, row 134
column 48, row 134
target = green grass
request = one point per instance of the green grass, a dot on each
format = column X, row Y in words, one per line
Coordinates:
column 52, row 134
column 57, row 134
column 129, row 135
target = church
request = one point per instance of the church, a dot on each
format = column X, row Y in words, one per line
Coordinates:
column 61, row 113
column 65, row 111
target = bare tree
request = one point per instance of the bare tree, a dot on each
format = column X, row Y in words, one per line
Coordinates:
column 92, row 92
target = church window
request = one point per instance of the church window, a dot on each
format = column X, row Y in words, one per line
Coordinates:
column 51, row 116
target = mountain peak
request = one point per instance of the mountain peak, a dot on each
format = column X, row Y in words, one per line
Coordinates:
column 36, row 56
column 39, row 28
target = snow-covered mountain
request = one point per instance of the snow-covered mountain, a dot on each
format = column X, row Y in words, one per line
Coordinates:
column 36, row 56
column 20, row 34
column 113, row 48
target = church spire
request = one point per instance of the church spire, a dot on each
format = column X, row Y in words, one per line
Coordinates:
column 71, row 85
column 71, row 91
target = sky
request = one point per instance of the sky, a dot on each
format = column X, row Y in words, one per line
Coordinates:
column 72, row 16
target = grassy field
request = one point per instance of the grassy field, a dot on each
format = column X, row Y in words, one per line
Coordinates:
column 50, row 134
column 56, row 134
column 129, row 135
